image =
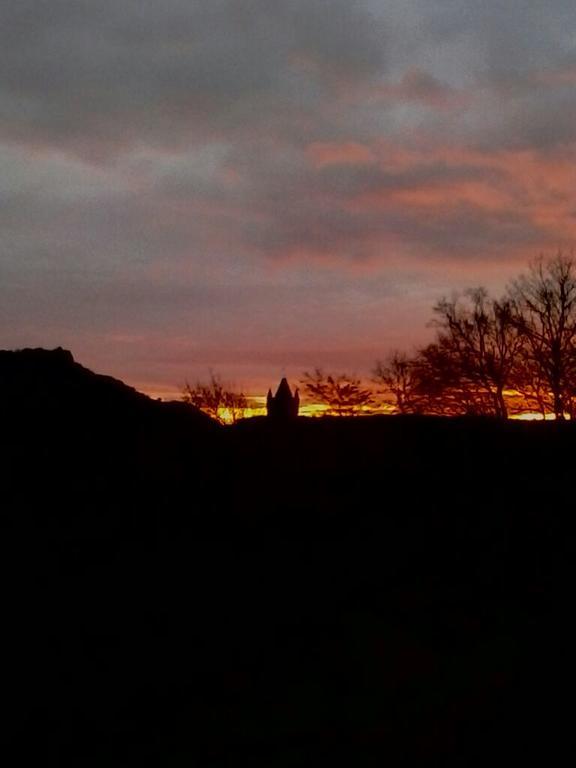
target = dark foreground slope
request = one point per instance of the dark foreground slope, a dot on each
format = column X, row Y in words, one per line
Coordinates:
column 381, row 591
column 85, row 453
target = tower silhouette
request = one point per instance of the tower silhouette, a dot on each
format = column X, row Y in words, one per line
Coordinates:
column 284, row 404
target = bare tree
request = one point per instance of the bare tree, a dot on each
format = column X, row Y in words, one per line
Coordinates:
column 496, row 356
column 482, row 340
column 343, row 394
column 529, row 382
column 440, row 386
column 216, row 400
column 398, row 375
column 440, row 389
column 544, row 302
column 429, row 382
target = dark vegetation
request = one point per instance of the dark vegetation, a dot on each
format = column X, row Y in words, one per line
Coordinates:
column 490, row 356
column 379, row 591
column 216, row 399
column 496, row 357
column 342, row 394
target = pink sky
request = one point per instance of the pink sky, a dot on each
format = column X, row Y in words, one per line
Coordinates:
column 260, row 188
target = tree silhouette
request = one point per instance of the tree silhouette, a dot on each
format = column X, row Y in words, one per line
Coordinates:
column 483, row 341
column 435, row 384
column 466, row 370
column 216, row 400
column 441, row 388
column 343, row 394
column 496, row 356
column 529, row 382
column 398, row 375
column 544, row 303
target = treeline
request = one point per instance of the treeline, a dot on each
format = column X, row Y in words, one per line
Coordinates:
column 496, row 357
column 491, row 356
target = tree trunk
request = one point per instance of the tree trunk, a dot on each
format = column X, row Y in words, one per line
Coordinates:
column 558, row 406
column 501, row 407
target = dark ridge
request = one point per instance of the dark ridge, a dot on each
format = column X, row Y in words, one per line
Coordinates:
column 44, row 378
column 46, row 383
column 85, row 452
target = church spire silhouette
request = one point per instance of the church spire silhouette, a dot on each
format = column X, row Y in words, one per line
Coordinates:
column 284, row 404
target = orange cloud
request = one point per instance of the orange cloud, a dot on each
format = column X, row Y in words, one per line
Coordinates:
column 323, row 154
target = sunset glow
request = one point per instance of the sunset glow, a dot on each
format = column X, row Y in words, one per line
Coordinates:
column 534, row 416
column 273, row 188
column 259, row 409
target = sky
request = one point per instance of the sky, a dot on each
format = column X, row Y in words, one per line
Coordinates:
column 259, row 188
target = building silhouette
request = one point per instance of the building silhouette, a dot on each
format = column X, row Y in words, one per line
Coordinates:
column 284, row 404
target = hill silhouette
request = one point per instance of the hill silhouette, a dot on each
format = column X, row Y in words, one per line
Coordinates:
column 387, row 590
column 86, row 449
column 47, row 383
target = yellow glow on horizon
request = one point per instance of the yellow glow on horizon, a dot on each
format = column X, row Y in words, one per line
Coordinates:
column 258, row 408
column 536, row 416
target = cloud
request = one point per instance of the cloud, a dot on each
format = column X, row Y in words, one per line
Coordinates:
column 265, row 178
column 325, row 153
column 98, row 78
